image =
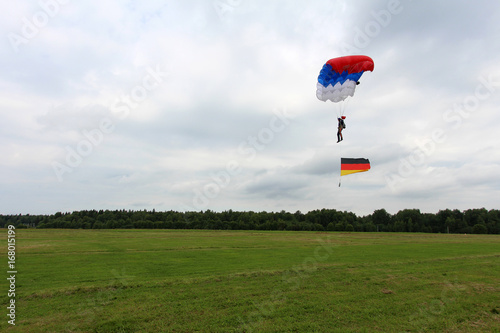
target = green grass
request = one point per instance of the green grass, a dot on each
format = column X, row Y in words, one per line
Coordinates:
column 239, row 281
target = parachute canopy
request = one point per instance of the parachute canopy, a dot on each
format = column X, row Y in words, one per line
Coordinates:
column 339, row 76
column 353, row 165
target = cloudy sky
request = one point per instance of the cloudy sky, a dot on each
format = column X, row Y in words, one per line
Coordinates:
column 211, row 104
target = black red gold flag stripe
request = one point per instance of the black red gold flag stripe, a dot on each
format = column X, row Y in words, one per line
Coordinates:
column 353, row 165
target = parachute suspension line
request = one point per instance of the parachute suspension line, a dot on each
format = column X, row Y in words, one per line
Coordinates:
column 340, row 163
column 341, row 107
column 344, row 107
column 340, row 171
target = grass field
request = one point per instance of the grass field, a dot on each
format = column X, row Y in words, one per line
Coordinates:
column 242, row 281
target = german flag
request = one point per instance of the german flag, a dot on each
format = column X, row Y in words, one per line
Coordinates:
column 353, row 165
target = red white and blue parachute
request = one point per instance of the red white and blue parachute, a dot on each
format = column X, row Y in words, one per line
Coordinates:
column 339, row 76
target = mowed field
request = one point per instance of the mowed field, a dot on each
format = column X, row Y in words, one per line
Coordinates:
column 253, row 281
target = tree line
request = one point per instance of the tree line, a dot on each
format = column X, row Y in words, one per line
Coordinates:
column 475, row 221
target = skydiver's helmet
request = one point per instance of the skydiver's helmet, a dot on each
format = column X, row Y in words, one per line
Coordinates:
column 343, row 117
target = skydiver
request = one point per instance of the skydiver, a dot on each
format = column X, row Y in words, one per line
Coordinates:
column 340, row 128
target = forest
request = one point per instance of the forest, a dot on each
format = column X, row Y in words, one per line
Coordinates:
column 474, row 221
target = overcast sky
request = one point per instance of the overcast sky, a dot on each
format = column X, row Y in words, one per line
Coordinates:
column 202, row 104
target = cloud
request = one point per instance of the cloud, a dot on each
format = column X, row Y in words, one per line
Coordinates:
column 230, row 69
